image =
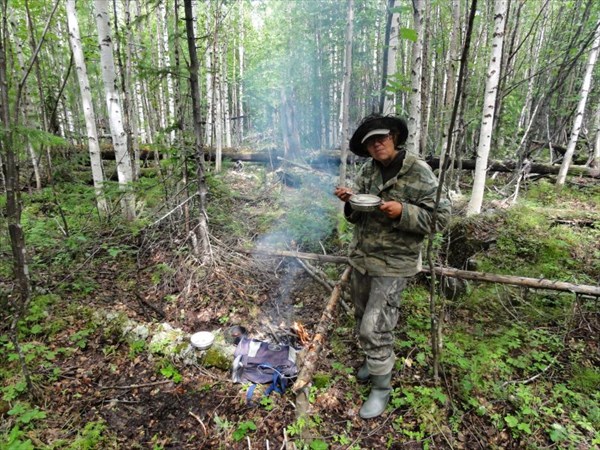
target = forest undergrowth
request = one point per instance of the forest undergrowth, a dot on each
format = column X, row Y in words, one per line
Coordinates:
column 520, row 367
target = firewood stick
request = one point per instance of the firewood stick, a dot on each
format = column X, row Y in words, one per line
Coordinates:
column 311, row 354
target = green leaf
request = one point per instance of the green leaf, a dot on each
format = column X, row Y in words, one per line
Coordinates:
column 511, row 421
column 409, row 33
column 317, row 444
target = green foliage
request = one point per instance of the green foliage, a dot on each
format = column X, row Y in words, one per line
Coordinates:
column 90, row 437
column 243, row 430
column 168, row 370
column 136, row 347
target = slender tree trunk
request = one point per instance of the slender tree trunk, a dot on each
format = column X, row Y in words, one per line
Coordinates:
column 345, row 105
column 577, row 122
column 88, row 107
column 167, row 64
column 414, row 117
column 487, row 120
column 449, row 89
column 133, row 107
column 204, row 244
column 390, row 65
column 596, row 155
column 113, row 106
column 38, row 76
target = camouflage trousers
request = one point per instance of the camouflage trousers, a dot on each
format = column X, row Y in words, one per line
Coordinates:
column 376, row 310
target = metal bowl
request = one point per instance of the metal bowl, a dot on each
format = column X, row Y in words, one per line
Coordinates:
column 365, row 202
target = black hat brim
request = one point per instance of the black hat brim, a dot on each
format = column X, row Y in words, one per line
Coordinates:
column 388, row 122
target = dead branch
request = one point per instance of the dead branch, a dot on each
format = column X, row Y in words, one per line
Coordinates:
column 136, row 386
column 534, row 283
column 311, row 354
column 321, row 279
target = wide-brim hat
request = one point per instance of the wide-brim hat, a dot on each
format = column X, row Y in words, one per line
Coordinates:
column 372, row 123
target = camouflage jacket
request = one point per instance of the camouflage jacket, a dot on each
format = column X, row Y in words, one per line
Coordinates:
column 392, row 247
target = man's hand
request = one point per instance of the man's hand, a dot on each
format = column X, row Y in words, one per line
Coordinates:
column 343, row 193
column 391, row 209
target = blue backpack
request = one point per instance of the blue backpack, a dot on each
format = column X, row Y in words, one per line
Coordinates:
column 260, row 362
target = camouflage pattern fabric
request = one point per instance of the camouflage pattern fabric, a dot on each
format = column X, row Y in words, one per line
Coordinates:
column 376, row 309
column 385, row 247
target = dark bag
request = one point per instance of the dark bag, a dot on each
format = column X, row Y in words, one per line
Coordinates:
column 260, row 362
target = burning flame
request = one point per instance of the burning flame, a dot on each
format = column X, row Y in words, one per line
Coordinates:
column 301, row 332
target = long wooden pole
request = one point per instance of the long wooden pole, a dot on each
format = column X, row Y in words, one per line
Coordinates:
column 535, row 283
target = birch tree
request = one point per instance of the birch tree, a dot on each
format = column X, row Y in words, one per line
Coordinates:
column 414, row 117
column 388, row 96
column 489, row 103
column 578, row 121
column 88, row 106
column 596, row 155
column 113, row 107
column 346, row 91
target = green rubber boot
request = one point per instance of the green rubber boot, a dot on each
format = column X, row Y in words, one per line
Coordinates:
column 362, row 375
column 378, row 397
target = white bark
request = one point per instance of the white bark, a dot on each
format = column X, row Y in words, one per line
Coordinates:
column 345, row 107
column 489, row 103
column 26, row 105
column 240, row 84
column 210, row 96
column 450, row 78
column 88, row 107
column 526, row 111
column 585, row 89
column 596, row 158
column 218, row 122
column 414, row 117
column 113, row 107
column 389, row 100
column 166, row 63
column 133, row 96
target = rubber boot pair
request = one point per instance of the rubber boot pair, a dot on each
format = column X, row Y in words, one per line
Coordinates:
column 379, row 396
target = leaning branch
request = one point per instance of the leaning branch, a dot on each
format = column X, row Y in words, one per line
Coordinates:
column 535, row 283
column 311, row 353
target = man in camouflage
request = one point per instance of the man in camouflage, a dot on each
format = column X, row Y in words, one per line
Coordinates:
column 386, row 248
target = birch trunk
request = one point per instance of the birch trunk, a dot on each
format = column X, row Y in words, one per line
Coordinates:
column 345, row 106
column 414, row 117
column 21, row 60
column 113, row 106
column 489, row 103
column 134, row 131
column 388, row 95
column 88, row 107
column 577, row 122
column 449, row 85
column 596, row 158
column 166, row 63
column 218, row 106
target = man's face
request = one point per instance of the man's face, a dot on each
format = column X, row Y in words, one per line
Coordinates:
column 381, row 148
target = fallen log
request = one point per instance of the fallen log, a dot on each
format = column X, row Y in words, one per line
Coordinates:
column 535, row 283
column 310, row 355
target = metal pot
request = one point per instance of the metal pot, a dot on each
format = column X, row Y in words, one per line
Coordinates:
column 365, row 202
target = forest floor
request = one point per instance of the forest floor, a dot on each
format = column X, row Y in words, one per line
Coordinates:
column 521, row 368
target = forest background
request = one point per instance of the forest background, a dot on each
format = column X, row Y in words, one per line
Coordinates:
column 147, row 145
